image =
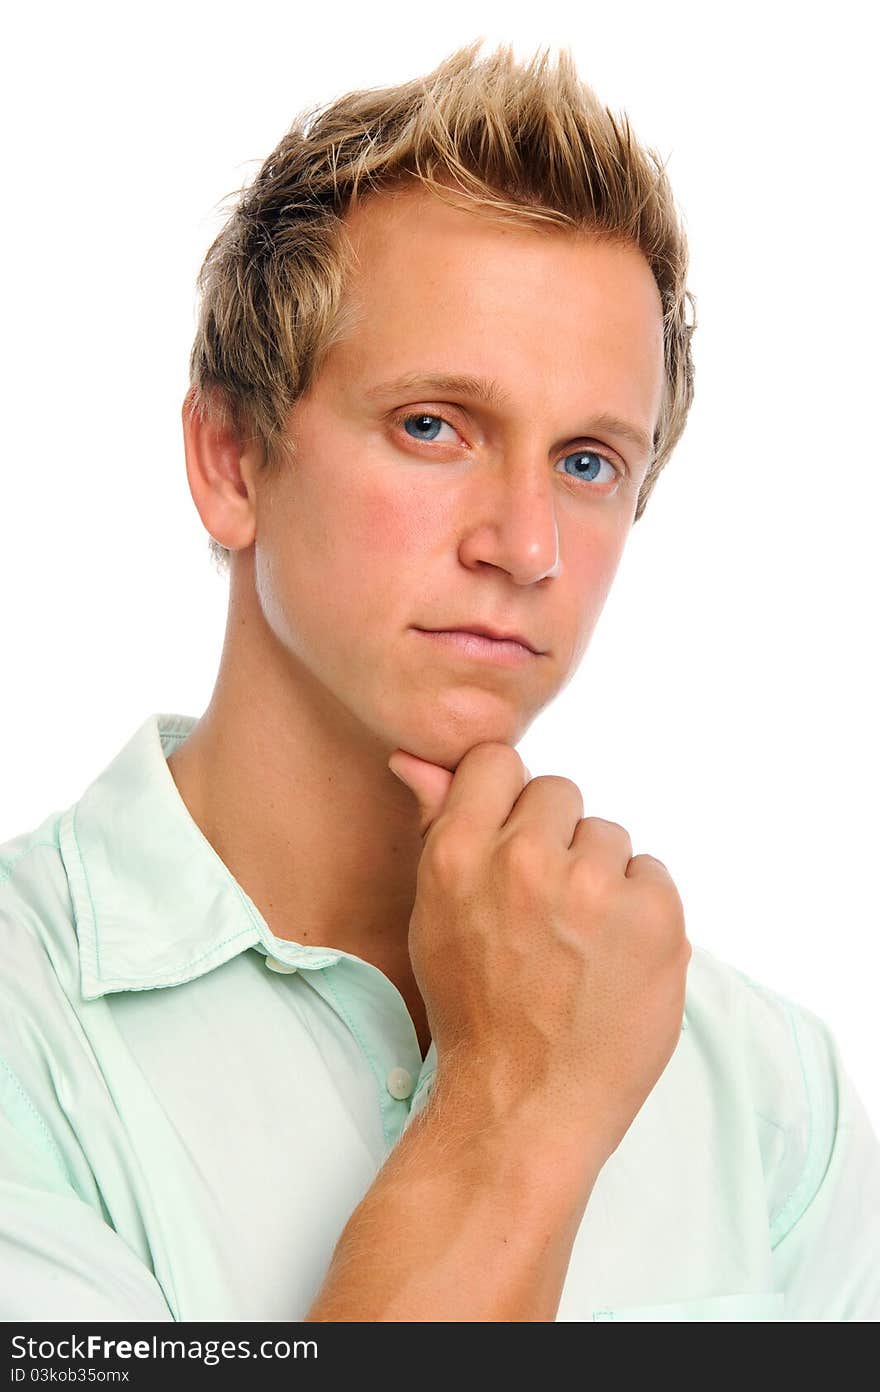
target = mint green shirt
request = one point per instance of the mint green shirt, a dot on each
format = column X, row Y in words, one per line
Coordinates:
column 191, row 1107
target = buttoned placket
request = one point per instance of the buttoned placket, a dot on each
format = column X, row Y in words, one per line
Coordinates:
column 373, row 1009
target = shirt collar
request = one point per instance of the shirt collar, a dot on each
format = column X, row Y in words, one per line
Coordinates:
column 154, row 904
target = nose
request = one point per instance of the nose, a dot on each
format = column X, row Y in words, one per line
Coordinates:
column 511, row 523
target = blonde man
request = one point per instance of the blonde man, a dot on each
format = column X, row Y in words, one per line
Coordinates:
column 318, row 1006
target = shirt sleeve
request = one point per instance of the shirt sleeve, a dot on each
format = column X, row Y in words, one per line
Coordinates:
column 826, row 1236
column 59, row 1260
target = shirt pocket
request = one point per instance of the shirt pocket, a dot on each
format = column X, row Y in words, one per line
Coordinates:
column 760, row 1305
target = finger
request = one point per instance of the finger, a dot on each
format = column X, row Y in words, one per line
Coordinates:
column 549, row 808
column 428, row 782
column 594, row 836
column 488, row 780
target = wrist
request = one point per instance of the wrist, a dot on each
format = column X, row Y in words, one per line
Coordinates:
column 524, row 1149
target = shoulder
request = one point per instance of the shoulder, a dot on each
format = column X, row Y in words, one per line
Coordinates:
column 37, row 920
column 780, row 1039
column 784, row 1058
column 17, row 849
column 39, row 955
column 41, row 1040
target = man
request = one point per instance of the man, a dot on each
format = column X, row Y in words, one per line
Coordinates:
column 318, row 1006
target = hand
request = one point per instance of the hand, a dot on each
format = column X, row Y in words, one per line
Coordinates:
column 552, row 962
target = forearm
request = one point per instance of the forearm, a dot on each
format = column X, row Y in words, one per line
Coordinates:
column 459, row 1225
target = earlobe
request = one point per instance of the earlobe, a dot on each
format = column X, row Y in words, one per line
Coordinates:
column 220, row 472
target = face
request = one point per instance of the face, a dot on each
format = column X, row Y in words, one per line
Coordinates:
column 424, row 506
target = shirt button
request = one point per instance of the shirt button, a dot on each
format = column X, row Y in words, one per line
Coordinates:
column 274, row 965
column 399, row 1083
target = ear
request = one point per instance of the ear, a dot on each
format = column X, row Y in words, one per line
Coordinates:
column 221, row 469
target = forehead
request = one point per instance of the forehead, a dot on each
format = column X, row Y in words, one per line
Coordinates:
column 407, row 243
column 443, row 288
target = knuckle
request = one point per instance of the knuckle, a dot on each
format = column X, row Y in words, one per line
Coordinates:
column 604, row 822
column 649, row 860
column 559, row 780
column 663, row 909
column 587, row 875
column 450, row 849
column 519, row 855
column 560, row 784
column 496, row 752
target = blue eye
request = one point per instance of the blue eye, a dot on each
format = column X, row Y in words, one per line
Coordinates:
column 588, row 470
column 425, row 423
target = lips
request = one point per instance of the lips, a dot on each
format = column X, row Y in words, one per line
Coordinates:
column 463, row 645
column 483, row 631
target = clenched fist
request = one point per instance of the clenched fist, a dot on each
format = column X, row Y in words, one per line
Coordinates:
column 551, row 960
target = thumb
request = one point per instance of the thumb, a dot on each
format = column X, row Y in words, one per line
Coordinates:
column 429, row 782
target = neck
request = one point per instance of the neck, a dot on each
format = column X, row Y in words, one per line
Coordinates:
column 295, row 796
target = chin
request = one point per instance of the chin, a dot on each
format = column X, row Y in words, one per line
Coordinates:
column 446, row 730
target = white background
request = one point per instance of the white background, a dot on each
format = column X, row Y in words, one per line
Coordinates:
column 726, row 711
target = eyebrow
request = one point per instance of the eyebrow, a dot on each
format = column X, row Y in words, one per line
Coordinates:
column 492, row 394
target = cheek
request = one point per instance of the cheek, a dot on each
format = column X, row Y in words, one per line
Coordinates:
column 597, row 570
column 385, row 522
column 402, row 521
column 352, row 571
column 587, row 534
column 591, row 570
